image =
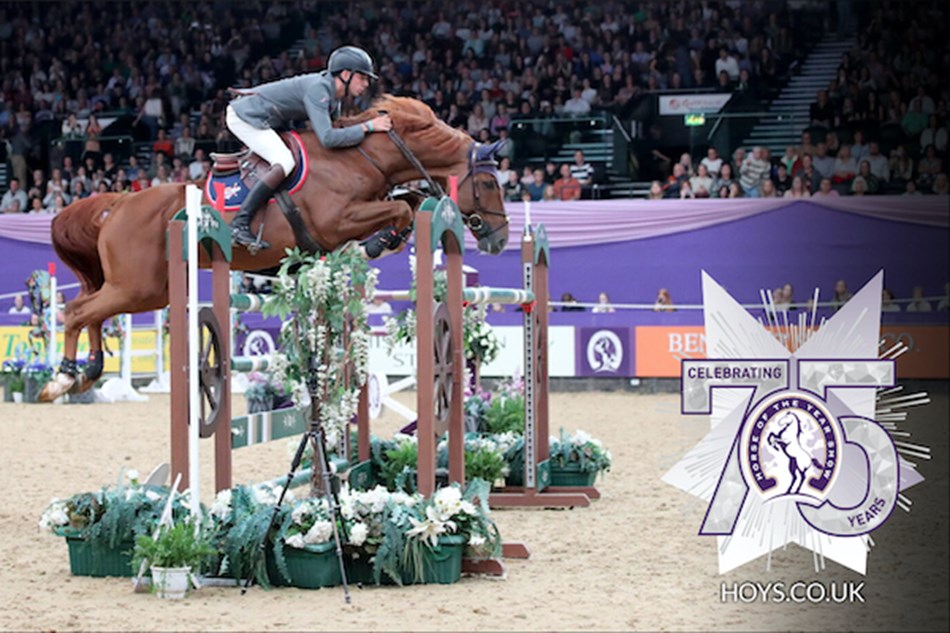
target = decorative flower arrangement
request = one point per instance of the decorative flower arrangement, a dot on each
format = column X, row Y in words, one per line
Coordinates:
column 12, row 374
column 501, row 411
column 324, row 339
column 112, row 516
column 263, row 392
column 479, row 340
column 113, row 328
column 579, row 450
column 392, row 529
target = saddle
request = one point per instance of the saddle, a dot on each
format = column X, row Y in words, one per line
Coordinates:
column 234, row 174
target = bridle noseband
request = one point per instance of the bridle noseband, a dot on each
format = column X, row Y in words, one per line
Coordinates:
column 474, row 220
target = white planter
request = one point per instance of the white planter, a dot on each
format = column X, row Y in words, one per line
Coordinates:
column 170, row 582
column 18, row 396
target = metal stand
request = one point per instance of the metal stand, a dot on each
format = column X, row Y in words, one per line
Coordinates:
column 318, row 439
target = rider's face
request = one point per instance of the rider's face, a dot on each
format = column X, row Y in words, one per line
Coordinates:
column 358, row 84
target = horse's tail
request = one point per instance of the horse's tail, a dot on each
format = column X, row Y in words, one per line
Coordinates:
column 75, row 233
column 817, row 464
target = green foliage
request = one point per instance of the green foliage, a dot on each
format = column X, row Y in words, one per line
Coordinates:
column 400, row 465
column 324, row 339
column 16, row 383
column 580, row 450
column 179, row 545
column 505, row 414
column 482, row 462
column 242, row 546
column 110, row 517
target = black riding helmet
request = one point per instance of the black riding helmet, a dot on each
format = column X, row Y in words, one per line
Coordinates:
column 351, row 58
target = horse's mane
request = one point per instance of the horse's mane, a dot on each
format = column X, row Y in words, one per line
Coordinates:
column 410, row 116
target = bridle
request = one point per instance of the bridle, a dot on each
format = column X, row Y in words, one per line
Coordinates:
column 474, row 219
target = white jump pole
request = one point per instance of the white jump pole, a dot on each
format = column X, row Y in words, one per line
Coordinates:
column 125, row 370
column 53, row 314
column 159, row 347
column 193, row 206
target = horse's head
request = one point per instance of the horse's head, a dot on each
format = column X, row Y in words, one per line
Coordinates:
column 481, row 199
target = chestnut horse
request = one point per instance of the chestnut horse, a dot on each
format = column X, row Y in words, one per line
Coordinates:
column 115, row 243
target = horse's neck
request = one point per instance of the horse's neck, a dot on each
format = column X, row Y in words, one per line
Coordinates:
column 439, row 162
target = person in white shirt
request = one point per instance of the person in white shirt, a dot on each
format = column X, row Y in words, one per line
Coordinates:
column 728, row 63
column 712, row 161
column 603, row 304
column 878, row 162
column 919, row 304
column 577, row 106
column 18, row 306
column 379, row 306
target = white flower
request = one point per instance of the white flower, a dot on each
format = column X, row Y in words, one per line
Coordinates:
column 151, row 495
column 476, row 540
column 132, row 476
column 358, row 533
column 469, row 508
column 221, row 506
column 319, row 533
column 295, row 540
column 430, row 528
column 448, row 501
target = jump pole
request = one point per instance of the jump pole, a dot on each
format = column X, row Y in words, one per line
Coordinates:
column 183, row 363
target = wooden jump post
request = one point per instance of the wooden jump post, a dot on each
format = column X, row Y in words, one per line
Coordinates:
column 440, row 360
column 199, row 353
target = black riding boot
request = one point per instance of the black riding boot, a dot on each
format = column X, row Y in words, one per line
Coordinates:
column 259, row 195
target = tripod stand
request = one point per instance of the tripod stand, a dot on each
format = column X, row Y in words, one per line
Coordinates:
column 317, row 437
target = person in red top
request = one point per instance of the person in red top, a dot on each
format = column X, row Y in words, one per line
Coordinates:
column 567, row 187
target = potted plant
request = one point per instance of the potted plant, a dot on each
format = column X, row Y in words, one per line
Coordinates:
column 11, row 375
column 577, row 459
column 260, row 393
column 100, row 527
column 397, row 538
column 172, row 555
column 303, row 550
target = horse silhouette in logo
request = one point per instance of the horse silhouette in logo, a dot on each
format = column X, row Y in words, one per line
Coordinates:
column 606, row 354
column 789, row 441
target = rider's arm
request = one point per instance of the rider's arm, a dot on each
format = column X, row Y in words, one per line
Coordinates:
column 317, row 102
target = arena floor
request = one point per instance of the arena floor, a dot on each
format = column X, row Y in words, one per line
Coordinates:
column 631, row 561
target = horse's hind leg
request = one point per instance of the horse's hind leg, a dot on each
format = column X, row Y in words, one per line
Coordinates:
column 93, row 369
column 90, row 312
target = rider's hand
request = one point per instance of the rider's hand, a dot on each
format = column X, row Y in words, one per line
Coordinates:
column 380, row 124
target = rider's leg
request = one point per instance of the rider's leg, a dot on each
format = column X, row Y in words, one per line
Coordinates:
column 268, row 145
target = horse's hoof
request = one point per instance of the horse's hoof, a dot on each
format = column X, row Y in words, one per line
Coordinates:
column 56, row 388
column 82, row 385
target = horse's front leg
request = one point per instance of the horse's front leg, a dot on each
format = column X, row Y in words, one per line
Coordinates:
column 386, row 222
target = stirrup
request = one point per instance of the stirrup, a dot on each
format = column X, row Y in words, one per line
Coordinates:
column 244, row 237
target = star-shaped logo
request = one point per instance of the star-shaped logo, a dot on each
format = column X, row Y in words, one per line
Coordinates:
column 794, row 454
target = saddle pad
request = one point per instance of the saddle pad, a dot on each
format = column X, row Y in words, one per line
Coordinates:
column 235, row 189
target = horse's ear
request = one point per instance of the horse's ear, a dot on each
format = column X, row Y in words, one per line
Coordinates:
column 489, row 151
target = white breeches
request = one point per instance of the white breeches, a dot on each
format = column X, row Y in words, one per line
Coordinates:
column 265, row 143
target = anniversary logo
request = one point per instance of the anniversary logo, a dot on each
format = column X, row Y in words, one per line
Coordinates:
column 795, row 453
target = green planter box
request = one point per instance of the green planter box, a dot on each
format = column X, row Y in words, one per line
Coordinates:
column 310, row 568
column 33, row 386
column 440, row 565
column 94, row 559
column 571, row 476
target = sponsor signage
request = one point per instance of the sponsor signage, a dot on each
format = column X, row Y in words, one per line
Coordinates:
column 693, row 103
column 604, row 352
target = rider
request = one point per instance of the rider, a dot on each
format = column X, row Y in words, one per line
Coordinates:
column 317, row 96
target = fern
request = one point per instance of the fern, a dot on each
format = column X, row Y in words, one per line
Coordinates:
column 388, row 557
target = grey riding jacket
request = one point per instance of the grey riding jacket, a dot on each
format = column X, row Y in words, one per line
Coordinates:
column 313, row 96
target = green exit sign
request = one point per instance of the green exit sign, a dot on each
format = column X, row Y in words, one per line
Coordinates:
column 693, row 120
